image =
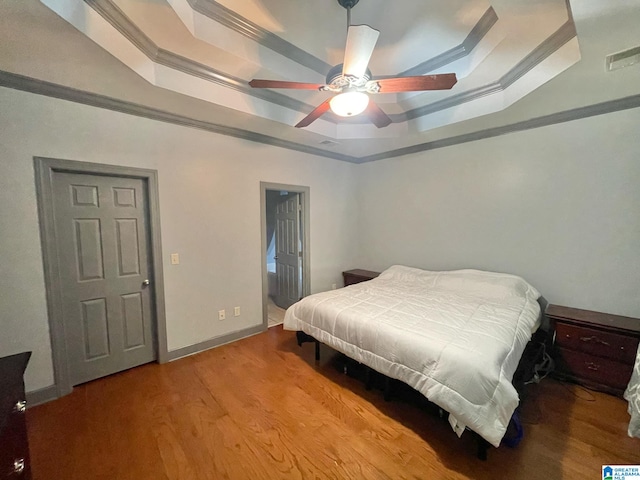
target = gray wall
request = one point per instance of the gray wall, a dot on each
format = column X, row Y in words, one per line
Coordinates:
column 210, row 214
column 558, row 205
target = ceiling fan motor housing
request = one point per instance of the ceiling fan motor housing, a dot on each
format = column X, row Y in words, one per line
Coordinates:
column 334, row 77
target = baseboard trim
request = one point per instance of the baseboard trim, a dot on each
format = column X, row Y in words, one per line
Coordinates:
column 215, row 342
column 42, row 395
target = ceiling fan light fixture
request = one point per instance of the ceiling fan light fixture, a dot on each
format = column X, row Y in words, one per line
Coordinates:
column 349, row 104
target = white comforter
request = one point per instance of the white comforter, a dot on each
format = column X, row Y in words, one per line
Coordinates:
column 632, row 395
column 456, row 337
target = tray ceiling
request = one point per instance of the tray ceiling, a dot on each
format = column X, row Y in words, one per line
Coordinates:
column 208, row 50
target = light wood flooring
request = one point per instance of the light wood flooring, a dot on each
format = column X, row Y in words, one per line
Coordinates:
column 260, row 408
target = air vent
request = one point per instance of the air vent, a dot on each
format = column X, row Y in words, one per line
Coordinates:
column 619, row 60
column 328, row 143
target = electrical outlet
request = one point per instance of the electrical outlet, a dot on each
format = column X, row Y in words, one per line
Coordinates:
column 175, row 259
column 221, row 315
column 333, row 286
column 236, row 312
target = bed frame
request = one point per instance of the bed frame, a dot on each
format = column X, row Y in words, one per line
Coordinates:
column 523, row 373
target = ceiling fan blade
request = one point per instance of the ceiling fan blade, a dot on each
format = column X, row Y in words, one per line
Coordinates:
column 376, row 115
column 361, row 40
column 313, row 116
column 414, row 84
column 256, row 83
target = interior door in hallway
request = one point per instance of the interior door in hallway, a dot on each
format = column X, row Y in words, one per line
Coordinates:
column 102, row 231
column 288, row 251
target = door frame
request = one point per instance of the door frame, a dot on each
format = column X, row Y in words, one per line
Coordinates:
column 304, row 193
column 44, row 170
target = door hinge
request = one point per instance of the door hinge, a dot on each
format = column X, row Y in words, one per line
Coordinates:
column 300, row 254
column 299, row 207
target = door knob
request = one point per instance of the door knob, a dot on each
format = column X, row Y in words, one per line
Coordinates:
column 275, row 258
column 146, row 282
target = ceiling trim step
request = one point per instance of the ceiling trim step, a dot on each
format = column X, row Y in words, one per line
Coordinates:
column 230, row 19
column 121, row 22
column 477, row 33
column 610, row 106
column 41, row 87
column 62, row 92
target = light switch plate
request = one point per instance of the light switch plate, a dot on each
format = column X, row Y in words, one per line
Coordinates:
column 175, row 259
column 236, row 312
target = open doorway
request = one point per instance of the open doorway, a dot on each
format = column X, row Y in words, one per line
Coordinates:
column 285, row 248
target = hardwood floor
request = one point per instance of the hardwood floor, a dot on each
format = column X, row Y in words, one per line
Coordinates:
column 261, row 408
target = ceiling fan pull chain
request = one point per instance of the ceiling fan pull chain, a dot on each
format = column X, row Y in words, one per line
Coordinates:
column 348, row 18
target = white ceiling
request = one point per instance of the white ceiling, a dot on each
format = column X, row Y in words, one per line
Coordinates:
column 503, row 51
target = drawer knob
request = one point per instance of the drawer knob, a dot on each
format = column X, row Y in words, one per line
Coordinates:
column 592, row 366
column 21, row 406
column 18, row 465
column 594, row 339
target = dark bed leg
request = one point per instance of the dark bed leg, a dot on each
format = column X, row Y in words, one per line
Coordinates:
column 483, row 447
column 387, row 389
column 300, row 338
column 367, row 378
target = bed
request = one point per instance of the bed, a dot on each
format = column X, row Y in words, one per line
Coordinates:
column 632, row 395
column 456, row 336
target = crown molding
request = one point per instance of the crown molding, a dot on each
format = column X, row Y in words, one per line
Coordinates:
column 230, row 19
column 548, row 47
column 110, row 12
column 41, row 87
column 121, row 22
column 254, row 32
column 610, row 106
column 477, row 33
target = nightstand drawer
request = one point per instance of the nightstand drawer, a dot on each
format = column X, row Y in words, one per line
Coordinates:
column 14, row 444
column 14, row 448
column 594, row 371
column 596, row 342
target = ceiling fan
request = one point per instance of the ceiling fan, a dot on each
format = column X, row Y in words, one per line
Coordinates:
column 352, row 80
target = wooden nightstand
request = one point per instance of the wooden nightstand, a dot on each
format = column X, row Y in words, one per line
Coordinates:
column 357, row 276
column 14, row 444
column 594, row 349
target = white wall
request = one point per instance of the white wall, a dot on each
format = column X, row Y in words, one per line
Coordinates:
column 210, row 214
column 558, row 205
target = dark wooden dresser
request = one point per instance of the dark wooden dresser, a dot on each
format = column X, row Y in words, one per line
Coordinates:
column 14, row 446
column 594, row 349
column 357, row 276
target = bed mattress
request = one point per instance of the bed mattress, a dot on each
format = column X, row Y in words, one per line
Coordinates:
column 632, row 395
column 456, row 337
